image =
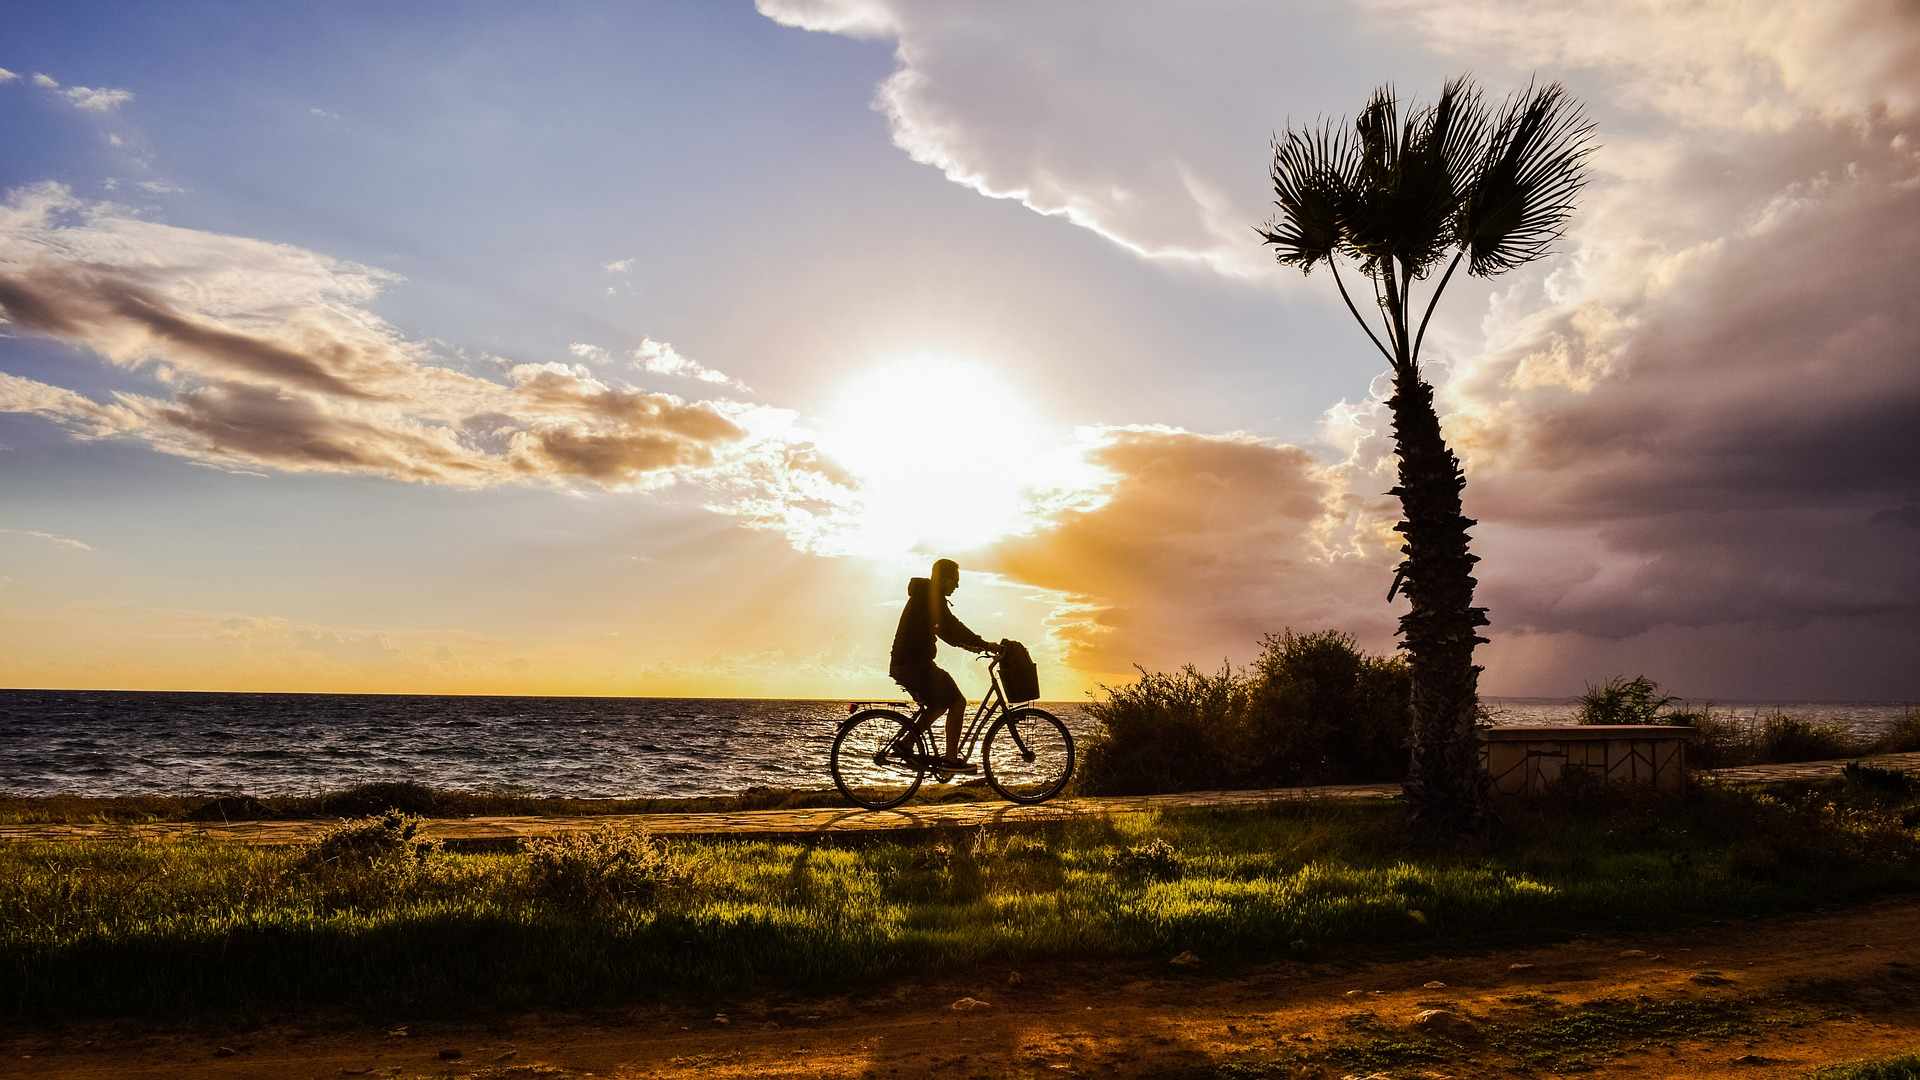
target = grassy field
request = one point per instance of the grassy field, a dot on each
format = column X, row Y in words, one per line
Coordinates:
column 419, row 799
column 374, row 919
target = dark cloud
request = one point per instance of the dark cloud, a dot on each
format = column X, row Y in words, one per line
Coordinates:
column 556, row 386
column 259, row 426
column 131, row 323
column 606, row 457
column 273, row 362
column 1747, row 455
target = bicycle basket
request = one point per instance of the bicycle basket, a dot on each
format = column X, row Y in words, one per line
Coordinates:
column 1018, row 676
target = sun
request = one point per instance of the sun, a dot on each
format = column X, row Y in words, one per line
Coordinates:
column 946, row 452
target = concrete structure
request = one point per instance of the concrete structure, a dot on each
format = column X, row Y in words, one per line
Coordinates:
column 1526, row 760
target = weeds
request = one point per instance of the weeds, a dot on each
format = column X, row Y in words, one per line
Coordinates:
column 1621, row 700
column 1901, row 1067
column 141, row 928
column 1155, row 860
column 389, row 839
column 604, row 866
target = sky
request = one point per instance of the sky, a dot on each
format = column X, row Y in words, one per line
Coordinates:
column 649, row 348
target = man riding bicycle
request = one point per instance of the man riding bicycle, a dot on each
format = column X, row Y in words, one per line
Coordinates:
column 926, row 617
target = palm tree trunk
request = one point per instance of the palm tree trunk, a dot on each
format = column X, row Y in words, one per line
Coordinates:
column 1444, row 782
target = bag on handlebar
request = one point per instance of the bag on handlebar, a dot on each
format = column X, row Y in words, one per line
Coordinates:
column 1018, row 676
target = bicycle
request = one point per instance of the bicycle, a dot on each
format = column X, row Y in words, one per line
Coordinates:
column 881, row 757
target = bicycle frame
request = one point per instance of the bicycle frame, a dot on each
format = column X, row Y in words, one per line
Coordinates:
column 989, row 709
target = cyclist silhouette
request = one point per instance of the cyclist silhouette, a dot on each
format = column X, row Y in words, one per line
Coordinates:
column 926, row 617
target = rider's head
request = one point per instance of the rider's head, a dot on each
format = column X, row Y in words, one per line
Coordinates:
column 946, row 576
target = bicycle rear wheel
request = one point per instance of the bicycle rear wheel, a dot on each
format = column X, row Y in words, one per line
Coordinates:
column 1028, row 756
column 878, row 760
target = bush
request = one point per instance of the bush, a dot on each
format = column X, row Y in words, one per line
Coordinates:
column 1621, row 700
column 1882, row 783
column 1323, row 712
column 1312, row 709
column 377, row 797
column 1155, row 860
column 1789, row 738
column 1903, row 737
column 1176, row 731
column 603, row 866
column 391, row 840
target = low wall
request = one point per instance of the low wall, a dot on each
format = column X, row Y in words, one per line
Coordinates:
column 1527, row 760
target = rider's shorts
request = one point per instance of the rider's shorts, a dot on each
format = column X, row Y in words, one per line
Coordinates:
column 933, row 688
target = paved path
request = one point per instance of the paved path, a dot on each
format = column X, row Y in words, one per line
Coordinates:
column 753, row 824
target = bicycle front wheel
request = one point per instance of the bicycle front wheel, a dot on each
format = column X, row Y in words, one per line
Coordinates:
column 1028, row 755
column 878, row 760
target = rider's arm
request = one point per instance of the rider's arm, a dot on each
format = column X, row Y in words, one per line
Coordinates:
column 955, row 633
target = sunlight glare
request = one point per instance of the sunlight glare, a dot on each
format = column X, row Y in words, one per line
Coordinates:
column 945, row 450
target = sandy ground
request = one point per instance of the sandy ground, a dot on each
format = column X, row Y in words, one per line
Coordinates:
column 1802, row 991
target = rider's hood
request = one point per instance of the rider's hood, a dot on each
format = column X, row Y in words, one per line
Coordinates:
column 917, row 588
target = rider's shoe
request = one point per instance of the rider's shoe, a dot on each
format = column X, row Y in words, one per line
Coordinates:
column 954, row 763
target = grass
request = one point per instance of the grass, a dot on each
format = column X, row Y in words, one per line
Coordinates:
column 1902, row 1067
column 191, row 926
column 363, row 799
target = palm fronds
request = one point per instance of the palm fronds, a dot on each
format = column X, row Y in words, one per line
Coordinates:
column 1312, row 173
column 1397, row 192
column 1523, row 192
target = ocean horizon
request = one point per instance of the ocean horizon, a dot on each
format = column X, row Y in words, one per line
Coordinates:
column 132, row 742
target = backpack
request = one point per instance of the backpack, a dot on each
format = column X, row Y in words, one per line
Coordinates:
column 1018, row 675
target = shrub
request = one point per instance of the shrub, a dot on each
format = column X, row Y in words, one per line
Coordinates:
column 1621, row 700
column 1323, row 712
column 1717, row 741
column 1155, row 860
column 1175, row 731
column 1312, row 709
column 378, row 797
column 1789, row 738
column 607, row 865
column 390, row 840
column 1903, row 737
column 1883, row 783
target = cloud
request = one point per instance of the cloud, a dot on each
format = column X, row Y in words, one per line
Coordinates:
column 661, row 358
column 268, row 359
column 1692, row 431
column 1691, row 426
column 101, row 100
column 1133, row 125
column 1148, row 126
column 1194, row 547
column 159, row 187
column 91, row 99
column 1710, row 63
column 7, row 76
column 618, row 266
column 51, row 538
column 324, row 114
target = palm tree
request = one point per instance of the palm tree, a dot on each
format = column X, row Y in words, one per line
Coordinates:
column 1399, row 196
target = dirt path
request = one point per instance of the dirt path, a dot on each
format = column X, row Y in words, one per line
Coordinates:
column 812, row 822
column 1764, row 998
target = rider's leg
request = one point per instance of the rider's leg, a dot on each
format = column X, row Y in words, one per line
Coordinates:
column 956, row 715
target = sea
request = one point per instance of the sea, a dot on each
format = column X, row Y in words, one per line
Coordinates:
column 93, row 742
